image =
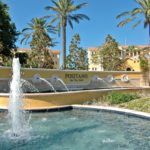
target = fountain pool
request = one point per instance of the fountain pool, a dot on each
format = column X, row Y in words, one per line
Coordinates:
column 81, row 129
column 74, row 129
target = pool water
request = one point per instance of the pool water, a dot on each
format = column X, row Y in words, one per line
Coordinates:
column 80, row 130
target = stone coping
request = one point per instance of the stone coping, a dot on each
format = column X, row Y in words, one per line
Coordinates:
column 116, row 110
column 70, row 92
column 129, row 72
column 122, row 111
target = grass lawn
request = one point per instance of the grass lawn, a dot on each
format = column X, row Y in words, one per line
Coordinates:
column 131, row 101
column 142, row 104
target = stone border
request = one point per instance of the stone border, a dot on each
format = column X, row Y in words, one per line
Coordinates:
column 121, row 111
column 126, row 112
column 93, row 90
column 41, row 69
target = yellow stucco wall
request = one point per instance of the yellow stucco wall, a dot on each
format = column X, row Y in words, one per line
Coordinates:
column 68, row 76
column 133, row 64
column 48, row 100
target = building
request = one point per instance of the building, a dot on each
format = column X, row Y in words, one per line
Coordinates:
column 92, row 65
column 55, row 56
column 130, row 54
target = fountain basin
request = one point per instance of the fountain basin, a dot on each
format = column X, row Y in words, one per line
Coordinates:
column 85, row 128
column 39, row 101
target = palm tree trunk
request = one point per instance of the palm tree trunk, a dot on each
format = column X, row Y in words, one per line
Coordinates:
column 64, row 45
column 149, row 33
column 148, row 59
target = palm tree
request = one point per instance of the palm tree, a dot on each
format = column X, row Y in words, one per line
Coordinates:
column 64, row 14
column 38, row 31
column 38, row 27
column 143, row 10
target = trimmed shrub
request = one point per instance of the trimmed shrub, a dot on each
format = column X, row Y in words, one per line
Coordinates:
column 118, row 98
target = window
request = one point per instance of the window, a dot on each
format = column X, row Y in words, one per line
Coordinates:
column 57, row 55
column 128, row 69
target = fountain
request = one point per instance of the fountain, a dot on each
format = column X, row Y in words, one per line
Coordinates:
column 37, row 79
column 62, row 82
column 56, row 80
column 25, row 83
column 15, row 110
column 103, row 128
column 98, row 82
column 49, row 84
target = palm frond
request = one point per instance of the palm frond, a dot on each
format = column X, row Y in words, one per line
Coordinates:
column 25, row 38
column 124, row 22
column 80, row 6
column 126, row 13
column 26, row 29
column 136, row 24
column 136, row 11
column 145, row 23
column 78, row 17
column 59, row 28
column 70, row 22
column 53, row 20
column 143, row 3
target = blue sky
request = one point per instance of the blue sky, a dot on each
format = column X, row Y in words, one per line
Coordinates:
column 102, row 15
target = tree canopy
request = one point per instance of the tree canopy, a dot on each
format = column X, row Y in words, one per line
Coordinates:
column 77, row 58
column 40, row 42
column 108, row 55
column 8, row 33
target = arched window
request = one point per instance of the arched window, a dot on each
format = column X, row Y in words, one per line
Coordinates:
column 128, row 69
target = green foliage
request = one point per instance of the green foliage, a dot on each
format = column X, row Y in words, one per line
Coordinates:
column 8, row 33
column 118, row 98
column 77, row 58
column 22, row 58
column 135, row 14
column 38, row 31
column 108, row 55
column 63, row 15
column 142, row 104
column 144, row 64
column 132, row 49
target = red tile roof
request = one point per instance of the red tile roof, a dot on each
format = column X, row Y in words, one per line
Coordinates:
column 92, row 49
column 137, row 46
column 56, row 51
column 29, row 49
column 123, row 46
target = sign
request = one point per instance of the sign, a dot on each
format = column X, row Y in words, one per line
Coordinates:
column 76, row 77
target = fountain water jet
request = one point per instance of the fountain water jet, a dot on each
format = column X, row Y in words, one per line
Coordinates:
column 48, row 83
column 25, row 83
column 62, row 82
column 15, row 110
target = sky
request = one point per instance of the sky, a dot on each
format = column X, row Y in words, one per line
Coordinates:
column 102, row 22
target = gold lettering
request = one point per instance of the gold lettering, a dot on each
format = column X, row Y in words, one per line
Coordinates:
column 81, row 76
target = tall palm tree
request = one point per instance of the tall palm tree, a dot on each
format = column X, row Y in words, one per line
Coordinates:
column 63, row 10
column 137, row 14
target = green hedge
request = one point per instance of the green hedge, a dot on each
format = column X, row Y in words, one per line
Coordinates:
column 118, row 98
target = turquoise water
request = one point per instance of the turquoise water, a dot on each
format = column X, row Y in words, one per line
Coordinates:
column 80, row 130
